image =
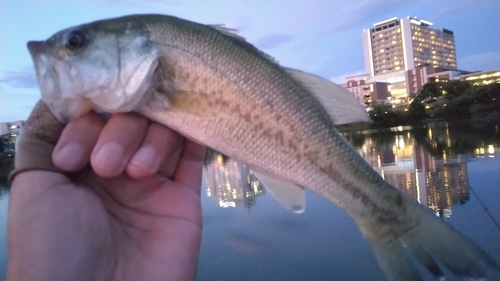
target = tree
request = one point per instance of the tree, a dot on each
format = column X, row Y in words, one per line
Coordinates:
column 494, row 95
column 455, row 88
column 485, row 100
column 416, row 110
column 384, row 115
column 430, row 90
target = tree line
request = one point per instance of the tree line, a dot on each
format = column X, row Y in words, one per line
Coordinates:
column 452, row 100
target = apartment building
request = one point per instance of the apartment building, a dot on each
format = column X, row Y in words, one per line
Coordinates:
column 399, row 51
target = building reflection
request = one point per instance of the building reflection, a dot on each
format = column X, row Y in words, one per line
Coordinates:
column 230, row 183
column 427, row 163
column 8, row 135
column 6, row 166
column 431, row 172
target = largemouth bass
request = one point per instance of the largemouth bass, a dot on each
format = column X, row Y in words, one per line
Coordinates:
column 213, row 87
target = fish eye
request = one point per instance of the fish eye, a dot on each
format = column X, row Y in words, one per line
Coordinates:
column 76, row 40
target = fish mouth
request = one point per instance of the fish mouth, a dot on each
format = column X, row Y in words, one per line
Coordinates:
column 55, row 85
column 39, row 55
column 36, row 47
column 47, row 74
column 43, row 63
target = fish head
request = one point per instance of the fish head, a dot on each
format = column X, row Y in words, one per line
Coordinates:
column 104, row 66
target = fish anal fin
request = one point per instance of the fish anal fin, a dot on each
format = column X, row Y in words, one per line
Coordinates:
column 289, row 195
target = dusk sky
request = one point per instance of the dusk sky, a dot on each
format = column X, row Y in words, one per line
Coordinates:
column 321, row 37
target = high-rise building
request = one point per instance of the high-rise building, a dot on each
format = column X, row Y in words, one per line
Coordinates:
column 404, row 44
column 397, row 51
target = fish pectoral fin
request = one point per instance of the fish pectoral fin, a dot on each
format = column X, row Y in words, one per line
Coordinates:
column 289, row 195
column 341, row 105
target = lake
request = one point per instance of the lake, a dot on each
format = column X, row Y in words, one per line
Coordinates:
column 453, row 168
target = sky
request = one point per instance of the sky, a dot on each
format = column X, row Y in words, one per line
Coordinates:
column 320, row 37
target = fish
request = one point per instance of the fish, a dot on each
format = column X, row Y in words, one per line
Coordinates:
column 212, row 86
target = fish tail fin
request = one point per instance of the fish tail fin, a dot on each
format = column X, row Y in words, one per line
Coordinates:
column 393, row 259
column 432, row 243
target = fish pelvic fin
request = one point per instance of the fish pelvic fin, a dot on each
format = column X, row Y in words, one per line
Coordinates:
column 433, row 243
column 289, row 195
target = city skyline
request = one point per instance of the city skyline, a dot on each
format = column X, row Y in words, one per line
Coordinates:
column 321, row 37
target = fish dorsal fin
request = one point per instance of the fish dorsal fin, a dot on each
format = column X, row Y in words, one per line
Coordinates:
column 289, row 195
column 342, row 106
column 230, row 32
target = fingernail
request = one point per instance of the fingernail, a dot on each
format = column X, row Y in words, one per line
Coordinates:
column 70, row 157
column 109, row 159
column 144, row 158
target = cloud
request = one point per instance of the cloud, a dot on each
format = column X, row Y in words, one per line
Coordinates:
column 484, row 61
column 341, row 79
column 365, row 12
column 356, row 39
column 16, row 104
column 357, row 16
column 246, row 244
column 450, row 11
column 24, row 78
column 273, row 40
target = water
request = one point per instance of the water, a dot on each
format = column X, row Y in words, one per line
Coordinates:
column 452, row 168
column 6, row 165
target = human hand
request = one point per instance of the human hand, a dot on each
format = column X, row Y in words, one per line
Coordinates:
column 126, row 207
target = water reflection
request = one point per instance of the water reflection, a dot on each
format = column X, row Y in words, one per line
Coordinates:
column 230, row 183
column 6, row 165
column 437, row 182
column 428, row 163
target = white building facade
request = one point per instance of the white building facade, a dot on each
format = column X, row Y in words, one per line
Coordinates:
column 400, row 51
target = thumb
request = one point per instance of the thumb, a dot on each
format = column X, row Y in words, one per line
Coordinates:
column 36, row 142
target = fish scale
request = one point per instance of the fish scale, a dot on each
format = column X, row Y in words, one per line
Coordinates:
column 295, row 105
column 215, row 88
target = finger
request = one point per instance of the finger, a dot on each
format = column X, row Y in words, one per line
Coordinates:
column 118, row 142
column 159, row 152
column 75, row 145
column 189, row 168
